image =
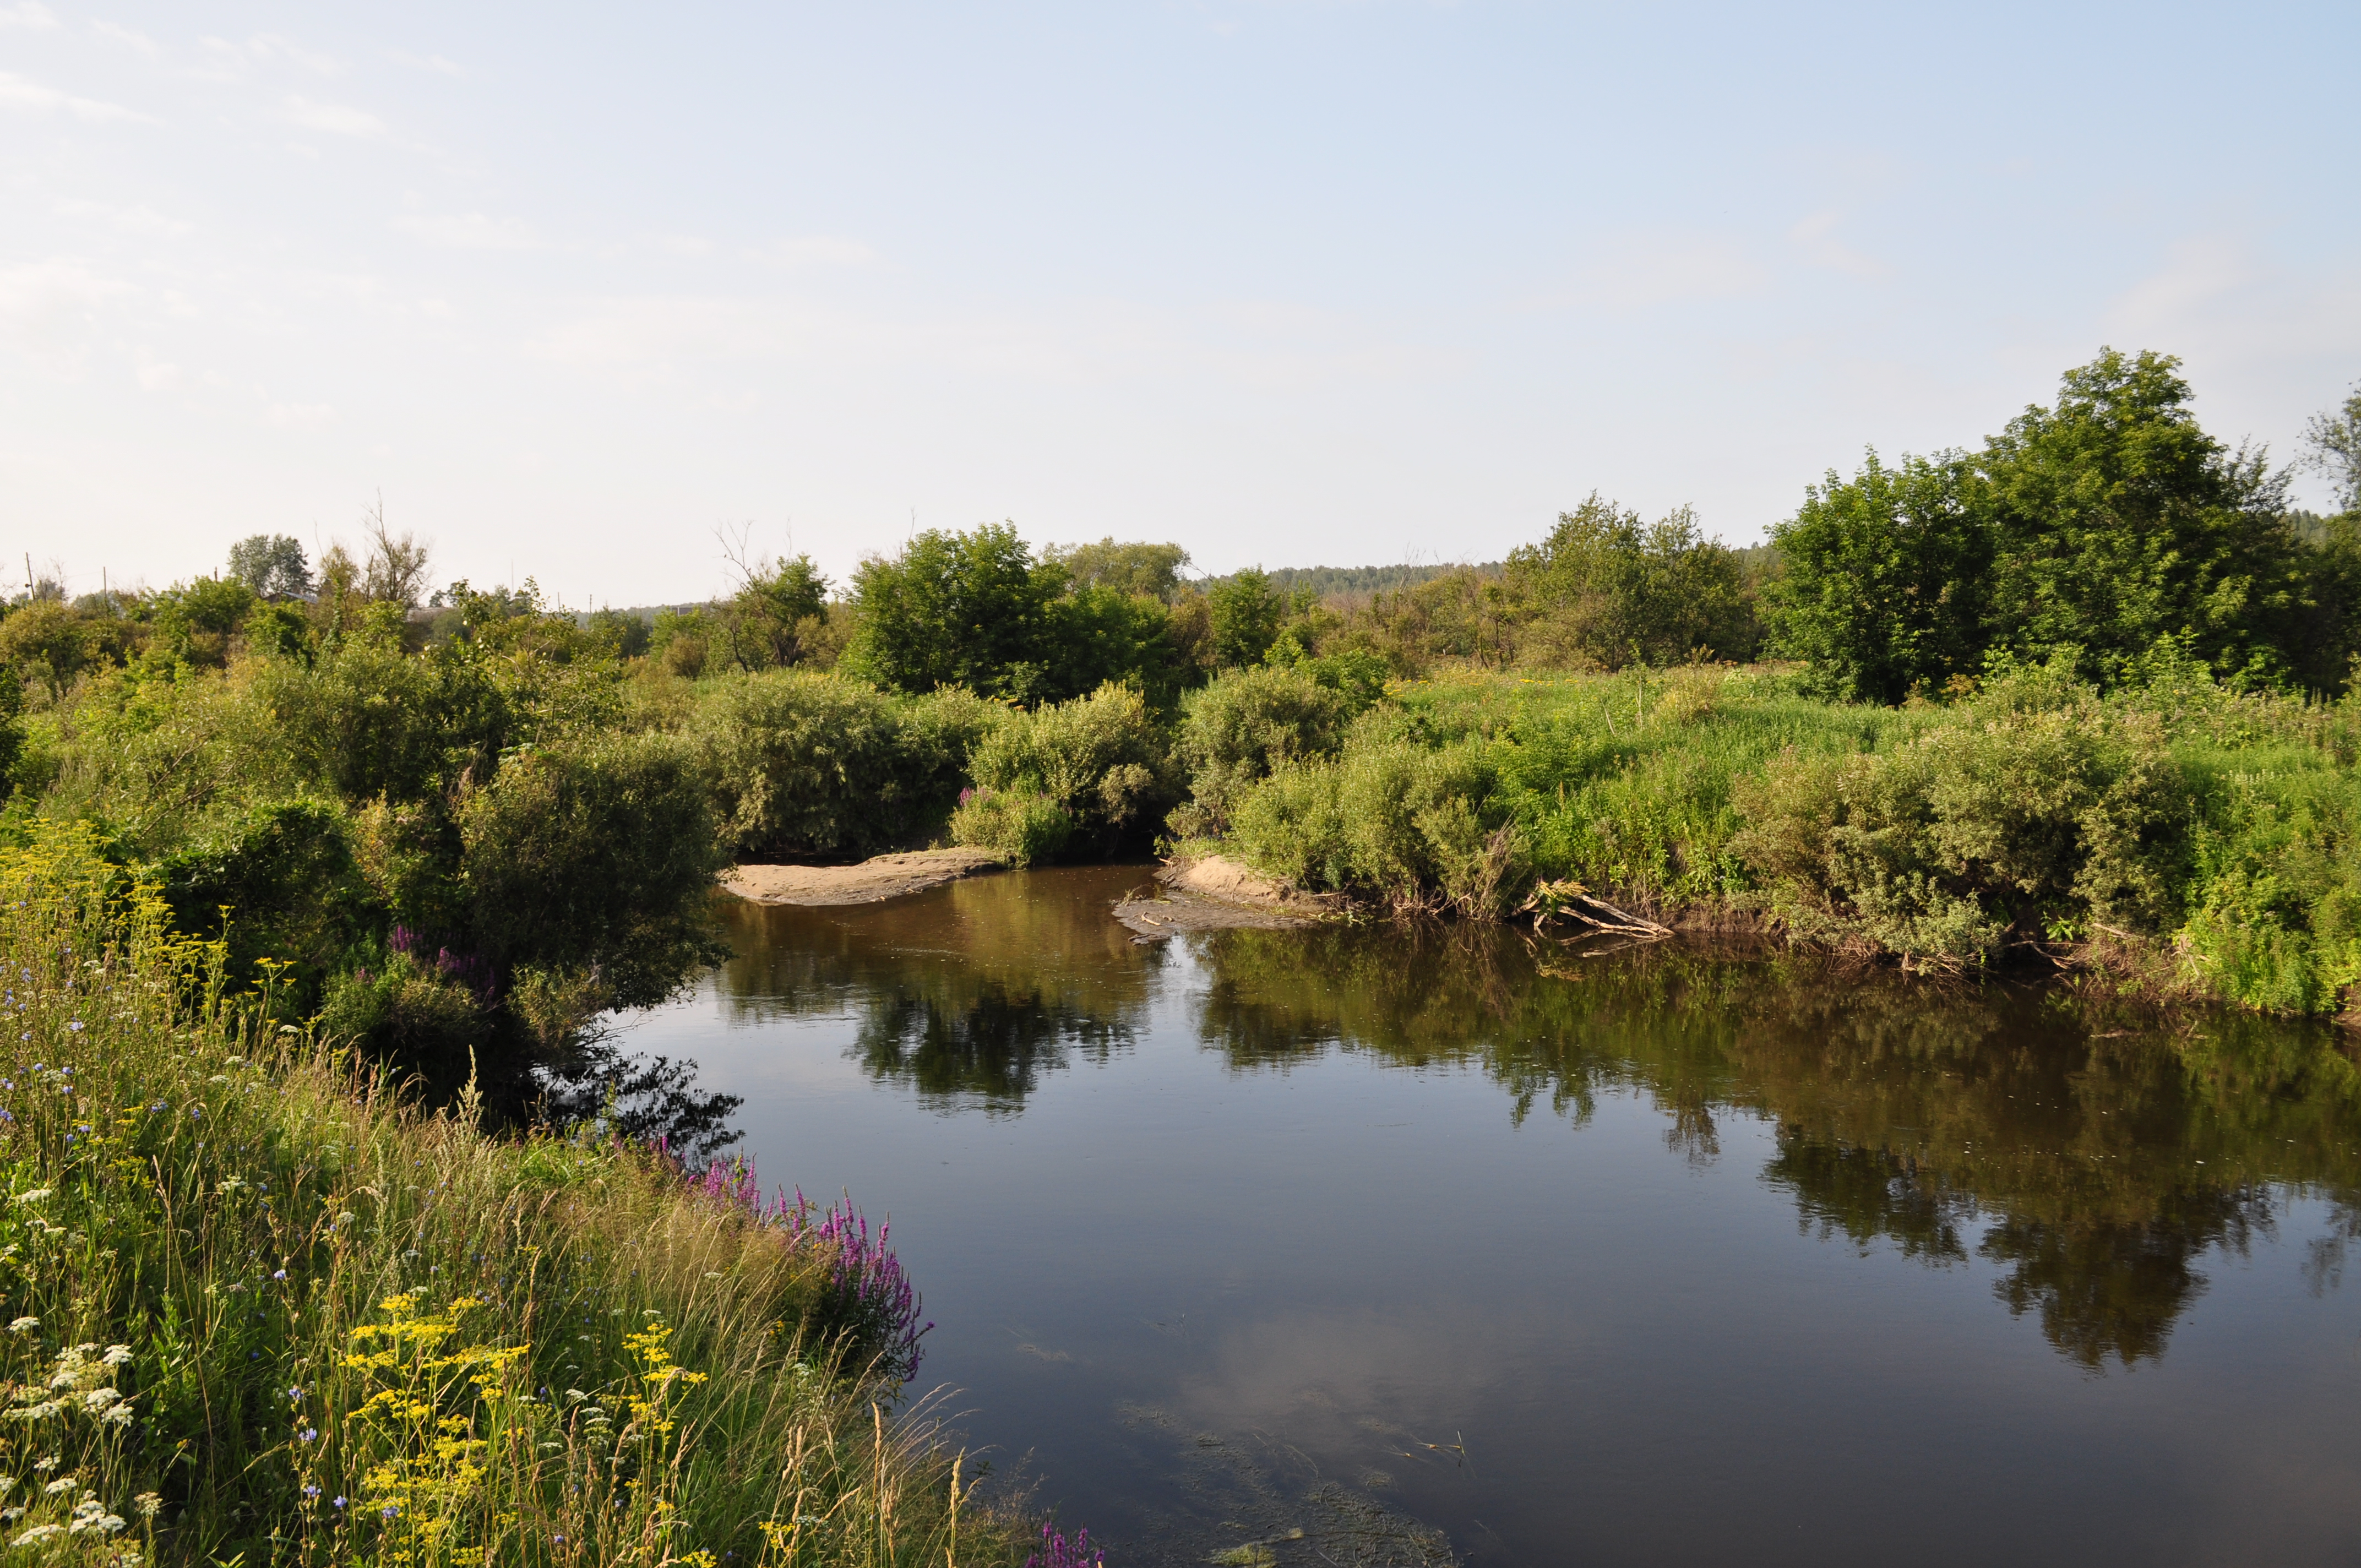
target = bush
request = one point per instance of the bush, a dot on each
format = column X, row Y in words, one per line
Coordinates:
column 1235, row 730
column 1019, row 827
column 1413, row 828
column 2028, row 812
column 813, row 765
column 1100, row 758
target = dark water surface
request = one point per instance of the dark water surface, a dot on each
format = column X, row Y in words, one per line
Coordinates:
column 1393, row 1237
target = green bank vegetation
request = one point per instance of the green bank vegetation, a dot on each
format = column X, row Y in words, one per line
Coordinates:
column 2080, row 695
column 264, row 1309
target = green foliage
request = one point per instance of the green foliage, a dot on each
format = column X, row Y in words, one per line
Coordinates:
column 1021, row 827
column 270, row 565
column 1246, row 612
column 245, row 1284
column 1237, row 730
column 2334, row 440
column 1100, row 758
column 1413, row 827
column 767, row 623
column 193, row 622
column 1887, row 579
column 2088, row 529
column 818, row 764
column 954, row 609
column 1133, row 570
column 593, row 854
column 1606, row 589
column 49, row 644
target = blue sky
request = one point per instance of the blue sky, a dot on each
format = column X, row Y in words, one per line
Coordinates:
column 571, row 286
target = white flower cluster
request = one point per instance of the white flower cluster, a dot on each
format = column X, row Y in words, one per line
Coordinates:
column 80, row 1381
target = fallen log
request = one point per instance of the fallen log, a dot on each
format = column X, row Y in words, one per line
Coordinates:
column 1569, row 900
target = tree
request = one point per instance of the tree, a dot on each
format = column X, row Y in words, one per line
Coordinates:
column 1605, row 588
column 1130, row 568
column 2334, row 439
column 272, row 565
column 1887, row 577
column 1247, row 613
column 955, row 609
column 2117, row 521
column 764, row 620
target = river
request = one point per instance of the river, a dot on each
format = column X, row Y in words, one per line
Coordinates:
column 1443, row 1244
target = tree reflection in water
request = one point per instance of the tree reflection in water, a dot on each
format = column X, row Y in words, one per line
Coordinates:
column 2090, row 1151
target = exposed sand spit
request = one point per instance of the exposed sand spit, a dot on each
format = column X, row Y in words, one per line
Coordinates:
column 870, row 881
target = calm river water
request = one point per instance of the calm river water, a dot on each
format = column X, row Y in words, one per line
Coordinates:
column 1450, row 1244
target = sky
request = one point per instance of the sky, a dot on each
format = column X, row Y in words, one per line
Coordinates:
column 574, row 290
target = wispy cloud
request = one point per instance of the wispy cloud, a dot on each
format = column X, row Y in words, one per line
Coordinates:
column 1636, row 272
column 128, row 38
column 434, row 62
column 32, row 98
column 467, row 231
column 336, row 119
column 30, row 14
column 821, row 250
column 1816, row 236
column 125, row 220
column 299, row 416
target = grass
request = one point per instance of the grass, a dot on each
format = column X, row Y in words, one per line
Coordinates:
column 2184, row 836
column 259, row 1308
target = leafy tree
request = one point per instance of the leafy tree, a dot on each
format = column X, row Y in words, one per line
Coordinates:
column 272, row 565
column 1887, row 579
column 1129, row 569
column 767, row 620
column 195, row 622
column 1246, row 615
column 2118, row 521
column 2334, row 439
column 955, row 609
column 1606, row 588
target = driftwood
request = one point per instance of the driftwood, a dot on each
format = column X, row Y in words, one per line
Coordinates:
column 1571, row 901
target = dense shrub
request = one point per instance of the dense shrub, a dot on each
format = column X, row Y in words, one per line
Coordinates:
column 1235, row 730
column 1413, row 827
column 1100, row 758
column 806, row 764
column 1020, row 827
column 2029, row 812
column 1606, row 589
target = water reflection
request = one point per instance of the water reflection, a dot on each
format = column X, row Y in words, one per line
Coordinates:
column 2093, row 1153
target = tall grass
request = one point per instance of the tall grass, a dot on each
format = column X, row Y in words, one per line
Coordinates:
column 258, row 1308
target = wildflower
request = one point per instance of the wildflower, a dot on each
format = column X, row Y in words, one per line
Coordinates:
column 116, row 1354
column 310, row 1432
column 391, row 1510
column 149, row 1505
column 75, row 1025
column 340, row 1502
column 310, row 1492
column 24, row 1325
column 280, row 1274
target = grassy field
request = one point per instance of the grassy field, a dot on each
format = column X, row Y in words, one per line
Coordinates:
column 258, row 1309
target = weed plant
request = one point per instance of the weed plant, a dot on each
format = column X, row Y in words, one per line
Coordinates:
column 258, row 1308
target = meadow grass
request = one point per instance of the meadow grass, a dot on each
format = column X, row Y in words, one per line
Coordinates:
column 259, row 1308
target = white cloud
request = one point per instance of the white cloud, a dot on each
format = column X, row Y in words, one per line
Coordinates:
column 31, row 97
column 1636, row 272
column 300, row 416
column 1816, row 237
column 467, row 231
column 824, row 250
column 49, row 289
column 158, row 378
column 336, row 119
column 434, row 62
column 126, row 220
column 127, row 38
column 30, row 14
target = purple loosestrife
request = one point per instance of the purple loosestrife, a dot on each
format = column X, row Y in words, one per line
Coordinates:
column 867, row 1293
column 1057, row 1552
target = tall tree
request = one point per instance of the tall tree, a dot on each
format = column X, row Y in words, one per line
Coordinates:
column 1607, row 589
column 955, row 609
column 2118, row 522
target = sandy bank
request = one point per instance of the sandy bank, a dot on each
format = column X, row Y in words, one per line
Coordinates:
column 871, row 881
column 1216, row 894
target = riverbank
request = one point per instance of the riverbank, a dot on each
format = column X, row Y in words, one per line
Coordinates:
column 261, row 1304
column 2184, row 839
